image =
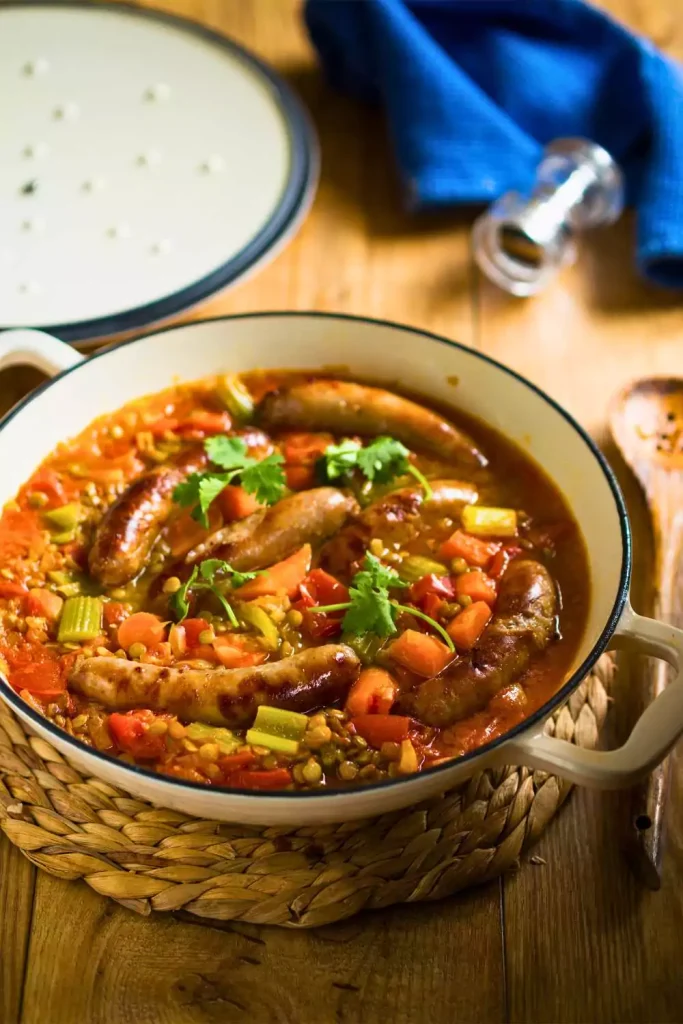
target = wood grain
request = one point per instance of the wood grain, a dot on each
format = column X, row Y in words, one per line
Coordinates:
column 581, row 941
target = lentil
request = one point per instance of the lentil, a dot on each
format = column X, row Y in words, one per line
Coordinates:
column 294, row 617
column 209, row 751
column 137, row 650
column 312, row 772
column 206, row 636
column 318, row 736
column 347, row 770
column 172, row 585
column 158, row 728
column 176, row 730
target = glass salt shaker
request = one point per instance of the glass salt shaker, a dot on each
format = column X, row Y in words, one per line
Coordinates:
column 521, row 242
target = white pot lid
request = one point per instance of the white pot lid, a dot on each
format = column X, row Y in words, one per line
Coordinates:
column 145, row 163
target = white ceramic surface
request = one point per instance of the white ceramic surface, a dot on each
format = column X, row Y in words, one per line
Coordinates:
column 144, row 163
column 426, row 364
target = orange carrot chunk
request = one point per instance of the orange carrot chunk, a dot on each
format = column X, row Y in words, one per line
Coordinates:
column 420, row 653
column 236, row 503
column 44, row 603
column 476, row 585
column 466, row 628
column 374, row 692
column 463, row 545
column 141, row 628
column 284, row 577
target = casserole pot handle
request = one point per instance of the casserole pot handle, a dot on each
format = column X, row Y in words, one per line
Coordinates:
column 35, row 348
column 652, row 737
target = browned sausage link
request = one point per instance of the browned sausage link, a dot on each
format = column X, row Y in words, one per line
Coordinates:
column 272, row 534
column 128, row 529
column 395, row 518
column 220, row 696
column 523, row 625
column 343, row 407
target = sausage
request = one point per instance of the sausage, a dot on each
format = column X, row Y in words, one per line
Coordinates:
column 524, row 624
column 127, row 531
column 269, row 535
column 344, row 407
column 220, row 696
column 397, row 518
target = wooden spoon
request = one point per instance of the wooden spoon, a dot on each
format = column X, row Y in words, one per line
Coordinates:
column 646, row 420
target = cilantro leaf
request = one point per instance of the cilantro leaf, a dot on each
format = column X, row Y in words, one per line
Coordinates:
column 341, row 459
column 186, row 493
column 227, row 452
column 370, row 611
column 210, row 567
column 210, row 486
column 376, row 575
column 383, row 459
column 265, row 479
column 179, row 602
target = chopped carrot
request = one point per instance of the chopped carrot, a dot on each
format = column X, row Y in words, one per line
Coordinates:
column 9, row 589
column 141, row 628
column 463, row 545
column 285, row 577
column 184, row 532
column 203, row 421
column 476, row 585
column 193, row 627
column 502, row 560
column 231, row 762
column 237, row 652
column 236, row 503
column 202, row 652
column 278, row 778
column 466, row 628
column 43, row 679
column 44, row 603
column 379, row 729
column 421, row 653
column 305, row 449
column 374, row 692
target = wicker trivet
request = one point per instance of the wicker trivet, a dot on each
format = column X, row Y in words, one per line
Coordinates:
column 149, row 859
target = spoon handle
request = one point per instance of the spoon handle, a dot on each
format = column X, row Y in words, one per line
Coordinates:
column 648, row 802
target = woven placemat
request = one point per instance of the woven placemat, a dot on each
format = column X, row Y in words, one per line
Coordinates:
column 150, row 859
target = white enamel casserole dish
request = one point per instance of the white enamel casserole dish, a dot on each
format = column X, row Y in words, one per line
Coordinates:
column 82, row 389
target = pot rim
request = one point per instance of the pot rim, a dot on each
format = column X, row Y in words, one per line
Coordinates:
column 538, row 716
column 282, row 223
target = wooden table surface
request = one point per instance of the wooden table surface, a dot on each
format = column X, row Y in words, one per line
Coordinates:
column 573, row 939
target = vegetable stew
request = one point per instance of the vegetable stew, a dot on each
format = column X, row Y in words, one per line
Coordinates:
column 281, row 581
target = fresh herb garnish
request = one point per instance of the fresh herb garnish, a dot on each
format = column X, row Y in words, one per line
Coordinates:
column 381, row 461
column 264, row 478
column 204, row 577
column 370, row 609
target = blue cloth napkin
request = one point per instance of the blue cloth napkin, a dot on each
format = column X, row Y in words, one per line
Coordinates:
column 474, row 89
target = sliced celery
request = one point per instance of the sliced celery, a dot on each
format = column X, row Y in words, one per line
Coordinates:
column 289, row 725
column 254, row 615
column 67, row 517
column 66, row 537
column 486, row 521
column 277, row 743
column 236, row 398
column 55, row 576
column 415, row 567
column 69, row 589
column 81, row 619
column 227, row 742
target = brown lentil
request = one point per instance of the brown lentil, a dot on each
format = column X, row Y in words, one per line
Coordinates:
column 176, row 730
column 294, row 617
column 209, row 751
column 172, row 585
column 158, row 728
column 391, row 751
column 206, row 636
column 312, row 772
column 347, row 770
column 318, row 737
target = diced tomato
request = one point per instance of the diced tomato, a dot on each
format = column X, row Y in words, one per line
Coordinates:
column 379, row 729
column 44, row 603
column 466, row 628
column 141, row 628
column 130, row 731
column 114, row 613
column 233, row 762
column 21, row 535
column 207, row 652
column 236, row 503
column 472, row 549
column 43, row 679
column 373, row 693
column 502, row 559
column 439, row 586
column 235, row 651
column 320, row 587
column 420, row 652
column 278, row 778
column 160, row 426
column 285, row 577
column 299, row 478
column 47, row 482
column 476, row 585
column 193, row 627
column 9, row 589
column 431, row 605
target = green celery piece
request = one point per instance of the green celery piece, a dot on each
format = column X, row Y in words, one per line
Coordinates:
column 235, row 396
column 69, row 589
column 256, row 616
column 67, row 517
column 198, row 732
column 81, row 619
column 65, row 537
column 277, row 743
column 415, row 567
column 56, row 576
column 289, row 725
